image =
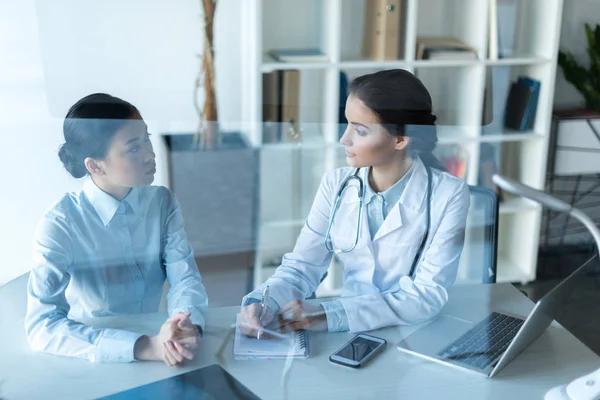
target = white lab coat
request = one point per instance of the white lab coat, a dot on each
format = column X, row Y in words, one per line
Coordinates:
column 377, row 291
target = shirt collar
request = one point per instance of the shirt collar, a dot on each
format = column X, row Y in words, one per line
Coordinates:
column 105, row 205
column 392, row 194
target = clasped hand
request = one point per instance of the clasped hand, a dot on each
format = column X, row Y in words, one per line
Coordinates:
column 177, row 340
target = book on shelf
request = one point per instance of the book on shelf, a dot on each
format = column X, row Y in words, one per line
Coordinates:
column 343, row 98
column 281, row 106
column 428, row 45
column 521, row 104
column 299, row 55
column 435, row 54
column 383, row 30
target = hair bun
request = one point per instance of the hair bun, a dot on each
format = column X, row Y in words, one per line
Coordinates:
column 75, row 167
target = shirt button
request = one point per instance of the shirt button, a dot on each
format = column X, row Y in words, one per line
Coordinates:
column 120, row 358
column 138, row 278
column 137, row 302
column 127, row 249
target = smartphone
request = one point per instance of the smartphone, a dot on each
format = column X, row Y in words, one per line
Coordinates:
column 358, row 351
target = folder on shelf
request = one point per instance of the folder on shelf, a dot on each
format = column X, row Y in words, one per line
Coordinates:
column 281, row 106
column 290, row 106
column 270, row 107
column 383, row 34
column 488, row 98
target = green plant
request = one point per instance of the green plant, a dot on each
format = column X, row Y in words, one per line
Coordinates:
column 587, row 81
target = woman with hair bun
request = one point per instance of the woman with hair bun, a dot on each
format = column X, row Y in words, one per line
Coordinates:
column 395, row 219
column 108, row 249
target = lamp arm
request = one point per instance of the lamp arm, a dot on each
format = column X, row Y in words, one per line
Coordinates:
column 589, row 224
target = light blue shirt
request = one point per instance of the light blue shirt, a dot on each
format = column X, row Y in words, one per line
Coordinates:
column 95, row 256
column 378, row 206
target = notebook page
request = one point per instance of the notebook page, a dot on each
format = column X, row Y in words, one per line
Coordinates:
column 247, row 346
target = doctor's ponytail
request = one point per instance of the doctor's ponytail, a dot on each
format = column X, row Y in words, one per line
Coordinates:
column 403, row 106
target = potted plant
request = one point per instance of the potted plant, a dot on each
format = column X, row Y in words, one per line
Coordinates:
column 213, row 173
column 586, row 80
column 572, row 152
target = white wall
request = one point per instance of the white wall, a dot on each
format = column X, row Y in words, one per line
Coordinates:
column 572, row 38
column 55, row 52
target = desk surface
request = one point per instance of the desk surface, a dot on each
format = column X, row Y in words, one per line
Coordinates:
column 556, row 357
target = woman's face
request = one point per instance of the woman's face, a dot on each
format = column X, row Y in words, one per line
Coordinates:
column 129, row 161
column 366, row 141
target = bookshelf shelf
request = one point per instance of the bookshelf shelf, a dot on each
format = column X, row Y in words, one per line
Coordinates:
column 518, row 61
column 362, row 63
column 288, row 189
column 443, row 63
column 269, row 65
column 511, row 137
column 276, row 65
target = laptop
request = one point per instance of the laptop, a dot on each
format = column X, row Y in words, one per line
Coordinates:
column 208, row 383
column 487, row 346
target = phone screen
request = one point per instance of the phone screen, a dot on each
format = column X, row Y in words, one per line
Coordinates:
column 358, row 349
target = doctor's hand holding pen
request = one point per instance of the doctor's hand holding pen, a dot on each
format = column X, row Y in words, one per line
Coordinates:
column 176, row 341
column 293, row 316
column 253, row 319
column 299, row 314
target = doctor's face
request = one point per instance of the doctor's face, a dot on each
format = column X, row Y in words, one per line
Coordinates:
column 366, row 141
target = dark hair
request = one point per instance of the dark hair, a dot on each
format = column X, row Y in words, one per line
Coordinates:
column 403, row 106
column 89, row 127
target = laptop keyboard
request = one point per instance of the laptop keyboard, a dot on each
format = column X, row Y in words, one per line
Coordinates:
column 483, row 343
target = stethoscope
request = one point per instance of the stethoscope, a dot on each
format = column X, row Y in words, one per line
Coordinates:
column 361, row 192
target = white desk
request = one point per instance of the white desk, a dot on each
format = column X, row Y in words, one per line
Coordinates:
column 556, row 357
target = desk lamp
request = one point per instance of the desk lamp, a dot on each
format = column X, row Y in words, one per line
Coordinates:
column 586, row 387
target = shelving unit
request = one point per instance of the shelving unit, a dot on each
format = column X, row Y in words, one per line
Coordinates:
column 291, row 172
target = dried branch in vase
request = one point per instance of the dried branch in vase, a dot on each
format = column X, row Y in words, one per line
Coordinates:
column 207, row 130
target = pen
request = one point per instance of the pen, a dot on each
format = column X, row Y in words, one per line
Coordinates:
column 263, row 307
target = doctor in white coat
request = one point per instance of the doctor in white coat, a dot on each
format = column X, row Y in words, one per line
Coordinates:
column 389, row 139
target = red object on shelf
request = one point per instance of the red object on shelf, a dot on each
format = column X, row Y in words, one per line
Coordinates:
column 455, row 166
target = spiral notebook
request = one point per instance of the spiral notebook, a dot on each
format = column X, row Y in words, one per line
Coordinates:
column 245, row 347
